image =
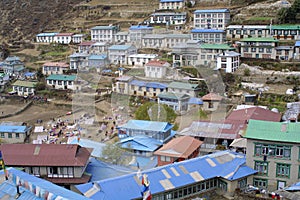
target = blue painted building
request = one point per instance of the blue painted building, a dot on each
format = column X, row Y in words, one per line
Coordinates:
column 224, row 170
column 14, row 133
column 98, row 62
column 118, row 54
column 12, row 65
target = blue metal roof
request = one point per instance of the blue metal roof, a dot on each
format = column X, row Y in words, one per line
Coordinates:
column 212, row 11
column 101, row 170
column 104, row 27
column 97, row 57
column 138, row 83
column 147, row 125
column 226, row 164
column 140, row 143
column 148, row 84
column 44, row 186
column 294, row 187
column 119, row 47
column 297, row 44
column 139, row 27
column 96, row 146
column 8, row 190
column 207, row 31
column 194, row 100
column 13, row 129
column 46, row 34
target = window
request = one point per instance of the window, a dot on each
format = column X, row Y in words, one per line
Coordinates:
column 283, row 170
column 210, row 104
column 165, row 158
column 261, row 167
column 261, row 183
column 9, row 135
column 277, row 151
column 269, row 50
column 242, row 183
column 17, row 135
column 2, row 135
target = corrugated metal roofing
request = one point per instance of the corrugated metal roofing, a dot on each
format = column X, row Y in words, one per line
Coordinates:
column 140, row 143
column 101, row 170
column 247, row 27
column 207, row 31
column 96, row 146
column 259, row 39
column 285, row 27
column 44, row 155
column 182, row 85
column 216, row 46
column 212, row 11
column 56, row 64
column 162, row 178
column 148, row 84
column 61, row 77
column 165, row 1
column 194, row 100
column 140, row 27
column 273, row 131
column 97, row 57
column 172, row 95
column 147, row 125
column 119, row 47
column 168, row 14
column 46, row 34
column 55, row 191
column 8, row 191
column 13, row 129
column 104, row 27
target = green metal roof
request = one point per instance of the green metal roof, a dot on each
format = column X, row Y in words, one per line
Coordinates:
column 182, row 85
column 172, row 95
column 259, row 39
column 216, row 46
column 61, row 77
column 28, row 84
column 273, row 131
column 285, row 27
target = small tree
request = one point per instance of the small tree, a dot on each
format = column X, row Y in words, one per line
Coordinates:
column 112, row 153
column 247, row 72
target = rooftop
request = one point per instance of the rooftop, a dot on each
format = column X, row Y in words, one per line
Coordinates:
column 207, row 31
column 180, row 147
column 140, row 143
column 147, row 125
column 285, row 27
column 259, row 39
column 216, row 46
column 119, row 47
column 225, row 164
column 157, row 63
column 61, row 77
column 46, row 34
column 56, row 64
column 64, row 34
column 212, row 97
column 183, row 85
column 104, row 28
column 13, row 129
column 173, row 95
column 140, row 27
column 212, row 11
column 44, row 155
column 28, row 84
column 273, row 131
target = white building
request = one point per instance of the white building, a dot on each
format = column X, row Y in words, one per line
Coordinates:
column 45, row 37
column 156, row 69
column 215, row 19
column 104, row 33
column 79, row 61
column 54, row 68
column 78, row 38
column 209, row 35
column 85, row 47
column 136, row 33
column 171, row 4
column 63, row 38
column 139, row 60
column 118, row 54
column 24, row 88
column 164, row 41
column 170, row 18
column 99, row 48
column 121, row 37
column 228, row 61
column 63, row 82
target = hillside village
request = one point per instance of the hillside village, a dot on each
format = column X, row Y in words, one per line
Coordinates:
column 182, row 102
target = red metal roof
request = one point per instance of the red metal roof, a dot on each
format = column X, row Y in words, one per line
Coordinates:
column 257, row 113
column 181, row 147
column 157, row 63
column 212, row 97
column 44, row 154
column 86, row 43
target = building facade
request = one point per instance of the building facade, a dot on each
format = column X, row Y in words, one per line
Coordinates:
column 54, row 68
column 228, row 61
column 63, row 38
column 63, row 82
column 139, row 60
column 104, row 33
column 14, row 134
column 209, row 35
column 24, row 88
column 273, row 150
column 118, row 54
column 45, row 37
column 215, row 19
column 171, row 4
column 170, row 18
column 156, row 69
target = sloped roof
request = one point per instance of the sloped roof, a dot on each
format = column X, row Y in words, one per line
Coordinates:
column 147, row 125
column 61, row 77
column 157, row 63
column 46, row 34
column 55, row 191
column 64, row 34
column 173, row 95
column 86, row 43
column 216, row 46
column 139, row 27
column 257, row 113
column 140, row 143
column 119, row 47
column 29, row 84
column 164, row 1
column 196, row 30
column 180, row 147
column 183, row 85
column 101, row 170
column 297, row 44
column 44, row 154
column 259, row 39
column 194, row 100
column 97, row 57
column 104, row 27
column 212, row 97
column 148, row 84
column 273, row 131
column 212, row 11
column 226, row 164
column 224, row 130
column 13, row 129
